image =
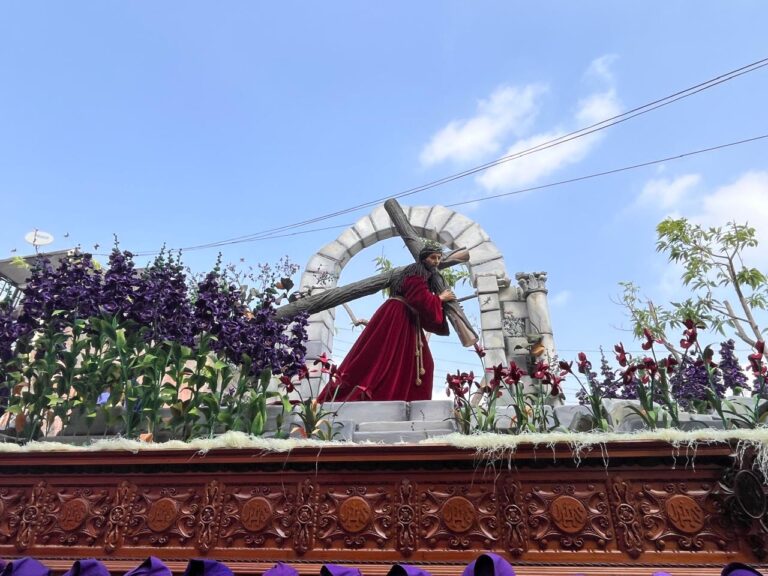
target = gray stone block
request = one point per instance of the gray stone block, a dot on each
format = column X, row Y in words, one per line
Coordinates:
column 382, row 223
column 369, row 411
column 439, row 217
column 483, row 253
column 456, row 226
column 490, row 320
column 575, row 417
column 397, row 437
column 418, row 216
column 488, row 302
column 335, row 251
column 473, row 237
column 447, row 426
column 487, row 284
column 424, row 410
column 495, row 266
column 366, row 230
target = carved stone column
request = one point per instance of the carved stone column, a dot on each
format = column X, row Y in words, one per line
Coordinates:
column 534, row 286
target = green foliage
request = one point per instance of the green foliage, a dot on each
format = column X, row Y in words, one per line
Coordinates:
column 713, row 267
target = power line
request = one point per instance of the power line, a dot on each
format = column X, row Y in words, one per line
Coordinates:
column 531, row 188
column 613, row 171
column 607, row 123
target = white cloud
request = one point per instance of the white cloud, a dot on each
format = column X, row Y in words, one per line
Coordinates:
column 528, row 169
column 600, row 68
column 667, row 193
column 744, row 201
column 508, row 110
column 533, row 167
column 560, row 299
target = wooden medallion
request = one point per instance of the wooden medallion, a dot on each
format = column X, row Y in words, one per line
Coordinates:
column 568, row 514
column 458, row 514
column 73, row 514
column 685, row 514
column 354, row 514
column 162, row 514
column 256, row 514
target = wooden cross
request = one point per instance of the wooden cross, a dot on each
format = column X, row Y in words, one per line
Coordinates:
column 338, row 296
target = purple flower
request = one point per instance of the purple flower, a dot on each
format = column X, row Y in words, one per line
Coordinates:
column 733, row 375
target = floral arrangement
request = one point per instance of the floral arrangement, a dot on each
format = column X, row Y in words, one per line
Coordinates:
column 154, row 351
column 661, row 389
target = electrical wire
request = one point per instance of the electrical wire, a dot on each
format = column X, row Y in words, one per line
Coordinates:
column 522, row 190
column 587, row 130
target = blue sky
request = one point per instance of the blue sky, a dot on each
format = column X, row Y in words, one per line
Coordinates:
column 186, row 122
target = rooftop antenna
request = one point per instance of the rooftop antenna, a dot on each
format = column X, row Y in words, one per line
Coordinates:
column 38, row 238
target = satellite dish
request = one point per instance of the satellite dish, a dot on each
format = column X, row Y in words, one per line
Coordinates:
column 38, row 237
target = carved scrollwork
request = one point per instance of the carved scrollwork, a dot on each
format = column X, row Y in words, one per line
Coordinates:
column 258, row 516
column 570, row 515
column 34, row 516
column 406, row 519
column 627, row 518
column 208, row 524
column 119, row 516
column 743, row 501
column 515, row 533
column 354, row 515
column 75, row 516
column 161, row 515
column 11, row 509
column 460, row 516
column 304, row 521
column 686, row 516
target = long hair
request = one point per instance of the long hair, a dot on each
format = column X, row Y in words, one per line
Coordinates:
column 415, row 269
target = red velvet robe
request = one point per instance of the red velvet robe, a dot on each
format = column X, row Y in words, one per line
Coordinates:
column 382, row 363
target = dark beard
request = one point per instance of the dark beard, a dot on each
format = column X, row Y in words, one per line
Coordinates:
column 416, row 269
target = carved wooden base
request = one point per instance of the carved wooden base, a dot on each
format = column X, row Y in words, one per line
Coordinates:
column 371, row 506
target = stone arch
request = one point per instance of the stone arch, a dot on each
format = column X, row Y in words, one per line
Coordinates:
column 504, row 313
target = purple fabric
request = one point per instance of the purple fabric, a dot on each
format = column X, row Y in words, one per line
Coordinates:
column 150, row 567
column 489, row 565
column 204, row 567
column 25, row 567
column 738, row 569
column 281, row 569
column 661, row 574
column 338, row 570
column 406, row 570
column 87, row 567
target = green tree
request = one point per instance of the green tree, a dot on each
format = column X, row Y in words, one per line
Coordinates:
column 726, row 292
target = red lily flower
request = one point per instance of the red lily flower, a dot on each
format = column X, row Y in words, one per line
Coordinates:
column 566, row 367
column 690, row 334
column 629, row 374
column 287, row 383
column 756, row 359
column 499, row 373
column 323, row 360
column 621, row 355
column 669, row 364
column 555, row 383
column 541, row 370
column 650, row 366
column 584, row 364
column 649, row 339
column 479, row 350
column 514, row 374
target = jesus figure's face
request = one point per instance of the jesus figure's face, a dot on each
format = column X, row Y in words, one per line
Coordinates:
column 433, row 260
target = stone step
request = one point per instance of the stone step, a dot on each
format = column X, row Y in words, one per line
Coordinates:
column 447, row 426
column 369, row 411
column 398, row 437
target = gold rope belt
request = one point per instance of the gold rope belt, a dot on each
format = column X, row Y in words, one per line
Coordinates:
column 419, row 341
